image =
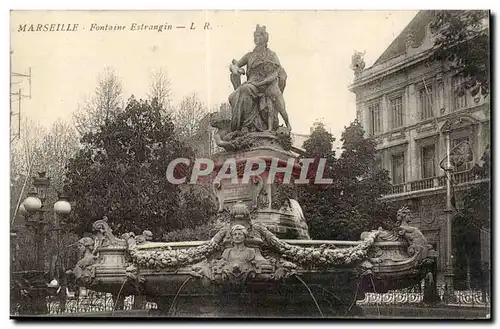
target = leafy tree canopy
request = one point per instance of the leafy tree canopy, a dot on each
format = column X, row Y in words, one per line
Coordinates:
column 463, row 42
column 120, row 172
column 351, row 204
column 477, row 200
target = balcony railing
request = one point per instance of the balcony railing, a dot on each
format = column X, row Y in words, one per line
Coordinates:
column 423, row 184
column 464, row 177
column 433, row 182
column 400, row 188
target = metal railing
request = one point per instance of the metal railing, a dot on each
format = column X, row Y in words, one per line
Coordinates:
column 415, row 296
column 92, row 302
column 461, row 177
column 95, row 302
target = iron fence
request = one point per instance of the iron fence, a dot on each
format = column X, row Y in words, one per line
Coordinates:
column 415, row 296
column 95, row 302
column 92, row 302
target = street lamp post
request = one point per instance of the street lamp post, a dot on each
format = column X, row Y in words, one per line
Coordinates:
column 456, row 157
column 448, row 275
column 38, row 216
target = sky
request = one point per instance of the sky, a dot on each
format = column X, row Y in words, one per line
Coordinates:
column 314, row 47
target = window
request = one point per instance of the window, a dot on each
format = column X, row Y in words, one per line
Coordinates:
column 397, row 112
column 440, row 97
column 425, row 103
column 459, row 94
column 428, row 161
column 455, row 142
column 378, row 161
column 375, row 118
column 398, row 169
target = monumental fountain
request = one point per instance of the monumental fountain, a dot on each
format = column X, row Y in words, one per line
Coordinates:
column 260, row 260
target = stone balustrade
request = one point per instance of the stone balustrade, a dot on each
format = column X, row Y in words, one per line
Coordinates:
column 432, row 183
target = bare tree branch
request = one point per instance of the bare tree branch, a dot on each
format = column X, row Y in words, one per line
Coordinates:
column 102, row 105
column 160, row 89
column 41, row 150
column 188, row 115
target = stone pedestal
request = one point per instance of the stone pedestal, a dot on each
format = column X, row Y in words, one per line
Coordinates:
column 271, row 200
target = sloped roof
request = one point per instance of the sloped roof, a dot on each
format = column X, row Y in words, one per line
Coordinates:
column 418, row 26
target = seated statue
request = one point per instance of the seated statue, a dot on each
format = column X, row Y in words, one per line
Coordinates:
column 256, row 103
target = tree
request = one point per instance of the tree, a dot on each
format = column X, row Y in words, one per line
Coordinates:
column 120, row 172
column 188, row 115
column 351, row 203
column 58, row 146
column 103, row 105
column 463, row 43
column 29, row 148
column 160, row 89
column 22, row 157
column 467, row 227
column 478, row 198
column 41, row 150
column 197, row 205
column 363, row 181
column 315, row 200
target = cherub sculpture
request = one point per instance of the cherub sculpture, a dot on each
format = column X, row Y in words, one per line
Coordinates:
column 357, row 62
column 84, row 270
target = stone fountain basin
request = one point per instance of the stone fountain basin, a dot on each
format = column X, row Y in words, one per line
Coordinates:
column 391, row 267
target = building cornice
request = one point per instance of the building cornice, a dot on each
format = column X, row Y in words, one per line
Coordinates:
column 399, row 86
column 439, row 119
column 391, row 145
column 367, row 77
column 405, row 60
column 432, row 134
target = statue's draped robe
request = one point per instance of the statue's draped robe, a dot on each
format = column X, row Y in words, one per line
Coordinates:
column 251, row 104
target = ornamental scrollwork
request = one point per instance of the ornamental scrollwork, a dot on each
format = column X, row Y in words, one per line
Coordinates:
column 104, row 235
column 241, row 251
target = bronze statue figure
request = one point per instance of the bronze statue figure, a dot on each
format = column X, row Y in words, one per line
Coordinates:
column 256, row 103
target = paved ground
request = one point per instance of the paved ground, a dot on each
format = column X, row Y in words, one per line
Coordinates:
column 370, row 312
column 420, row 312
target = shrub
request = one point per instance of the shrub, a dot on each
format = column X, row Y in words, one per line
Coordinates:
column 200, row 233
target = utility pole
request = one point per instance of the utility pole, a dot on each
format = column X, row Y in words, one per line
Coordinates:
column 18, row 97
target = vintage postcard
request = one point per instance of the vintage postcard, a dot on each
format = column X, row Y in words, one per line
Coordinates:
column 250, row 164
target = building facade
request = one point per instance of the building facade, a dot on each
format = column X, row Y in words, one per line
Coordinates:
column 299, row 139
column 407, row 104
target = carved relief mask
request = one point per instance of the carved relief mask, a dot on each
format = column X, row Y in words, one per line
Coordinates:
column 81, row 248
column 238, row 236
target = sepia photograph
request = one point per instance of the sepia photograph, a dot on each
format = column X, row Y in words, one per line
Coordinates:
column 250, row 164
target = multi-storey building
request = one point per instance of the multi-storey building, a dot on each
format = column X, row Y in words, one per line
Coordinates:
column 407, row 103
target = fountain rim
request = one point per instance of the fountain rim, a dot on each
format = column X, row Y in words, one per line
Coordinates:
column 317, row 243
